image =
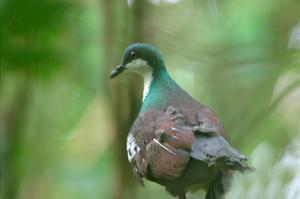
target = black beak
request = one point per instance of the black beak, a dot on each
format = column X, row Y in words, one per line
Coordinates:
column 117, row 71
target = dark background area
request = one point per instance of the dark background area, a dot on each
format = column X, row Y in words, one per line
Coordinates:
column 63, row 123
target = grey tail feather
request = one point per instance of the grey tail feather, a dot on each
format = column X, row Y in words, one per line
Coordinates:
column 239, row 165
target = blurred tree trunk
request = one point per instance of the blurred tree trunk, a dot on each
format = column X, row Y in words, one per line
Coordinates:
column 12, row 139
column 123, row 25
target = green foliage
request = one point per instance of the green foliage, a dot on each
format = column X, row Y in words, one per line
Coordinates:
column 29, row 34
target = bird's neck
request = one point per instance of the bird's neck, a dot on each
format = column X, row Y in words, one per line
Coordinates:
column 159, row 87
column 148, row 78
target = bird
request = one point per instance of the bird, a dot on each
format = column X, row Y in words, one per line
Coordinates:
column 175, row 140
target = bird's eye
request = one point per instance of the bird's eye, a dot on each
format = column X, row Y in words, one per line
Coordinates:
column 132, row 54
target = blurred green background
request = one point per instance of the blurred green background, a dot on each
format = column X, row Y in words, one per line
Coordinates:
column 64, row 123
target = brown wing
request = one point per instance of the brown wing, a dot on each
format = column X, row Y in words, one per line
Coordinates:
column 167, row 140
column 165, row 143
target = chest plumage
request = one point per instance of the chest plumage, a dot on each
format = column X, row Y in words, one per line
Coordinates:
column 176, row 141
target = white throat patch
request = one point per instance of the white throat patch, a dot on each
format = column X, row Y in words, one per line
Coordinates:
column 141, row 67
column 147, row 82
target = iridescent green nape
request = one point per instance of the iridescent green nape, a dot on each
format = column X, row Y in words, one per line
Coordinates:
column 160, row 90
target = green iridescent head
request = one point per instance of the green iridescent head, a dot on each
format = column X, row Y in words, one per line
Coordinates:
column 140, row 58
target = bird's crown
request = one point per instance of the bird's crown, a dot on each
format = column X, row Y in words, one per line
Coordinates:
column 144, row 52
